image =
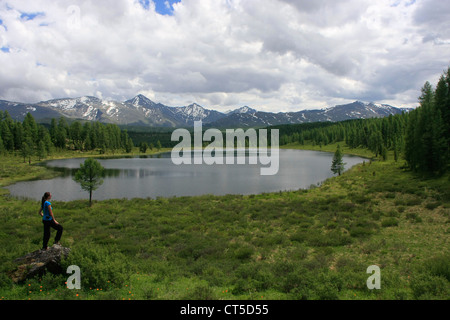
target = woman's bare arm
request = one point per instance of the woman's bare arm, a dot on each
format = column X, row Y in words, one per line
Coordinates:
column 51, row 214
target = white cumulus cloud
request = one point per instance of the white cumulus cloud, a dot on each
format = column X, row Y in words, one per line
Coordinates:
column 272, row 55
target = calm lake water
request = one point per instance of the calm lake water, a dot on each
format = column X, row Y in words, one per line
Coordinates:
column 151, row 177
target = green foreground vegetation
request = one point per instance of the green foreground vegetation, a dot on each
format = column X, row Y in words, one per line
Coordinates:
column 392, row 211
column 305, row 244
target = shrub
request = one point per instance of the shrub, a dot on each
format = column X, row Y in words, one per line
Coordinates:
column 243, row 253
column 200, row 292
column 333, row 238
column 432, row 205
column 362, row 228
column 413, row 202
column 426, row 286
column 328, row 286
column 297, row 252
column 439, row 266
column 376, row 215
column 393, row 213
column 243, row 286
column 413, row 216
column 213, row 275
column 5, row 281
column 357, row 231
column 345, row 262
column 101, row 266
column 299, row 236
column 308, row 285
column 359, row 198
column 389, row 222
column 319, row 261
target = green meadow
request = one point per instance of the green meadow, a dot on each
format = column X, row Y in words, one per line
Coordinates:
column 304, row 244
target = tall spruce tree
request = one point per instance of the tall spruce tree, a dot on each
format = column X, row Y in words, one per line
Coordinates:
column 427, row 139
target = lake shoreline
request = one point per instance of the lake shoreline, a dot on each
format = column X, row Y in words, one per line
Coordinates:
column 247, row 247
column 265, row 185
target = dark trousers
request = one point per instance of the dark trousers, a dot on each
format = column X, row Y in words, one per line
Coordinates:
column 57, row 227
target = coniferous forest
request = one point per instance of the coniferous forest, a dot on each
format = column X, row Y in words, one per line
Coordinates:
column 31, row 139
column 422, row 135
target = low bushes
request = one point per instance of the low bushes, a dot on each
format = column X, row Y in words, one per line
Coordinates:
column 312, row 244
column 101, row 266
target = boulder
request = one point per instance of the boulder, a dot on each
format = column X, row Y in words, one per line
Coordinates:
column 39, row 262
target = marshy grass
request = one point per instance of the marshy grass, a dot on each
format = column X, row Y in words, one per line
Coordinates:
column 305, row 244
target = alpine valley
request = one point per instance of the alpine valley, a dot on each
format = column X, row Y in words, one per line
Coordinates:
column 141, row 111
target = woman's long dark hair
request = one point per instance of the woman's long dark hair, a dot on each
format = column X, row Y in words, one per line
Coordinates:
column 44, row 198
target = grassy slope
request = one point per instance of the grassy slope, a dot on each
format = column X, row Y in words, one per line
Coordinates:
column 314, row 244
column 330, row 148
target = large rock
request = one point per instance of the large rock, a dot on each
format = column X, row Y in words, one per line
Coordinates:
column 39, row 262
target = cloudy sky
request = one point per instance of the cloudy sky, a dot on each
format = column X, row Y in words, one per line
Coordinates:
column 272, row 55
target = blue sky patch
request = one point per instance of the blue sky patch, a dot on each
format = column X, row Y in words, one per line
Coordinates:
column 1, row 24
column 31, row 15
column 145, row 4
column 163, row 7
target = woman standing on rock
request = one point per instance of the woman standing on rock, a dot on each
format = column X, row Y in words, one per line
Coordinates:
column 48, row 219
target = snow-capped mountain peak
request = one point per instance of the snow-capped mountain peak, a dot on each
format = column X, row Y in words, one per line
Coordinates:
column 244, row 109
column 194, row 111
column 195, row 108
column 142, row 111
column 141, row 101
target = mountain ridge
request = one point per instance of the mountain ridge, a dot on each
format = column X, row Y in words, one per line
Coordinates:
column 142, row 111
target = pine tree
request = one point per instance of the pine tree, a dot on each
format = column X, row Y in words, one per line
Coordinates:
column 337, row 165
column 129, row 145
column 445, row 110
column 75, row 130
column 19, row 136
column 8, row 137
column 143, row 147
column 27, row 149
column 53, row 127
column 426, row 141
column 41, row 152
column 158, row 145
column 2, row 148
column 90, row 176
column 384, row 152
column 60, row 138
column 30, row 128
column 410, row 140
column 439, row 147
column 396, row 149
column 48, row 143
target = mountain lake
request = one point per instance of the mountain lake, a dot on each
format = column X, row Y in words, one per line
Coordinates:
column 157, row 176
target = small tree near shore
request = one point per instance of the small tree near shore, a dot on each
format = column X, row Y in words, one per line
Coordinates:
column 337, row 165
column 90, row 176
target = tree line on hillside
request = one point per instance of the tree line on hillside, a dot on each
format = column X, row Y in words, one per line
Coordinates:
column 422, row 135
column 377, row 134
column 32, row 139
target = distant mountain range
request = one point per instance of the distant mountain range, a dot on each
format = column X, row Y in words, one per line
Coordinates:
column 141, row 111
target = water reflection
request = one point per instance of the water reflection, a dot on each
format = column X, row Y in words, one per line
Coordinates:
column 156, row 176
